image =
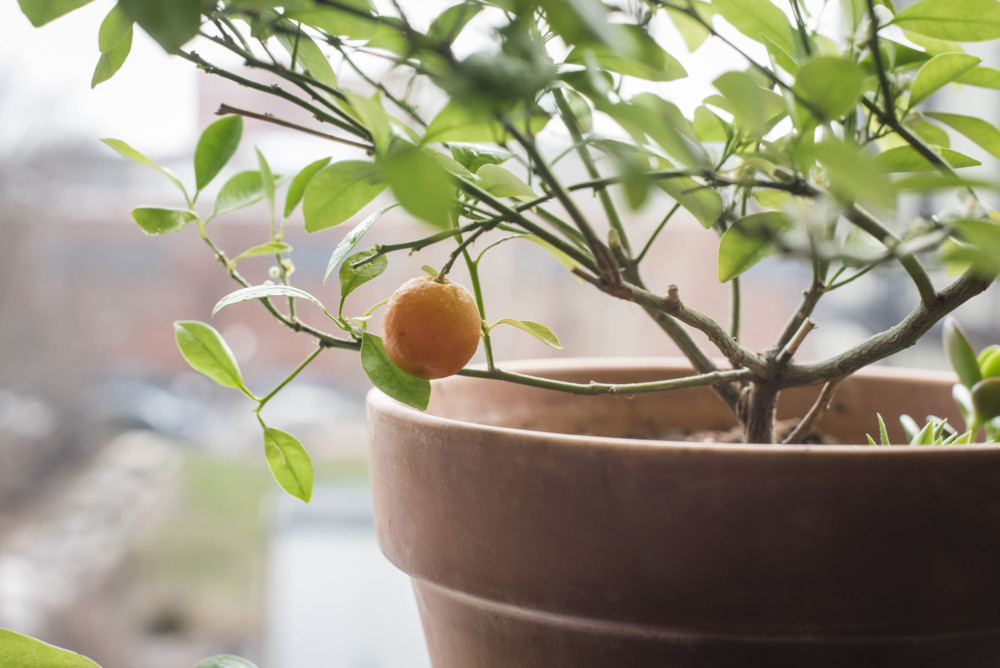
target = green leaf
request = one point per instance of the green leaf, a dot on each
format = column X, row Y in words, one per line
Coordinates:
column 760, row 20
column 830, row 86
column 420, row 185
column 127, row 151
column 983, row 77
column 339, row 191
column 537, row 330
column 267, row 180
column 984, row 134
column 263, row 250
column 703, row 203
column 290, row 464
column 374, row 117
column 115, row 28
column 240, row 191
column 347, row 22
column 474, row 156
column 981, row 246
column 216, row 146
column 708, row 126
column 40, row 12
column 447, row 26
column 264, row 292
column 937, row 72
column 960, row 353
column 502, row 182
column 882, row 431
column 748, row 241
column 389, row 378
column 111, row 61
column 17, row 650
column 932, row 134
column 907, row 159
column 224, row 661
column 925, row 436
column 458, row 122
column 297, row 187
column 645, row 59
column 965, row 21
column 170, row 22
column 852, row 174
column 986, row 399
column 755, row 109
column 989, row 361
column 351, row 279
column 351, row 240
column 692, row 32
column 208, row 353
column 308, row 56
column 154, row 220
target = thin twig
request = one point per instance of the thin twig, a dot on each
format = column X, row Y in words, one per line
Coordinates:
column 268, row 118
column 821, row 405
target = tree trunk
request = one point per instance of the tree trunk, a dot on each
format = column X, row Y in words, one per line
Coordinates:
column 758, row 420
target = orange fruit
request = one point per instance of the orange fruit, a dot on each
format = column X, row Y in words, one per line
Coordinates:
column 431, row 328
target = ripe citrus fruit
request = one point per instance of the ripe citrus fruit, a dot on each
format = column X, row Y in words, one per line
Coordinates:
column 431, row 328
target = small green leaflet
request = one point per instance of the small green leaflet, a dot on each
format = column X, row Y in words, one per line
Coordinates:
column 114, row 39
column 289, row 463
column 351, row 279
column 501, row 182
column 348, row 243
column 644, row 59
column 983, row 133
column 20, row 650
column 263, row 292
column 830, row 86
column 267, row 180
column 127, row 151
column 309, row 57
column 271, row 248
column 537, row 330
column 907, row 159
column 153, row 220
column 216, row 146
column 457, row 122
column 760, row 20
column 420, row 184
column 208, row 353
column 965, row 21
column 450, row 22
column 339, row 191
column 240, row 191
column 224, row 661
column 170, row 22
column 40, row 12
column 960, row 353
column 389, row 378
column 297, row 187
column 937, row 72
column 748, row 241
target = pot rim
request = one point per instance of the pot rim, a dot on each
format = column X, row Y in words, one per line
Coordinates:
column 379, row 401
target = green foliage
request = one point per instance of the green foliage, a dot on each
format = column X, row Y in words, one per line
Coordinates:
column 338, row 191
column 208, row 353
column 162, row 221
column 215, row 147
column 289, row 463
column 537, row 330
column 20, row 650
column 389, row 378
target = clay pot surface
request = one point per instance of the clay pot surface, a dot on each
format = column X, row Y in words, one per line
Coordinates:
column 536, row 534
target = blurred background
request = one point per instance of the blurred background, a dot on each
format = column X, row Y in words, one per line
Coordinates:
column 139, row 524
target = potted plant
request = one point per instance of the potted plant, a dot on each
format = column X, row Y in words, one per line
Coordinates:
column 535, row 533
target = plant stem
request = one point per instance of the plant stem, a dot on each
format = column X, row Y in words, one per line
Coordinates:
column 268, row 118
column 594, row 388
column 819, row 407
column 280, row 386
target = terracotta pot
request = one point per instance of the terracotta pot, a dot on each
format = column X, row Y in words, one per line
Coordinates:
column 537, row 536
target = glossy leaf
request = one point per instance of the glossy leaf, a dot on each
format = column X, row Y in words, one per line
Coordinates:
column 537, row 330
column 989, row 361
column 338, row 191
column 264, row 250
column 389, row 378
column 21, row 650
column 115, row 28
column 351, row 240
column 960, row 353
column 748, row 241
column 112, row 60
column 224, row 661
column 760, row 20
column 290, row 465
column 216, row 146
column 240, row 191
column 829, row 86
column 983, row 133
column 982, row 77
column 308, row 56
column 965, row 21
column 352, row 278
column 208, row 353
column 297, row 188
column 154, row 220
column 127, row 151
column 172, row 23
column 502, row 182
column 420, row 185
column 907, row 159
column 645, row 59
column 986, row 399
column 264, row 292
column 474, row 156
column 939, row 71
column 40, row 12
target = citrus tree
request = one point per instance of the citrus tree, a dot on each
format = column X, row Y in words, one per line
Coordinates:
column 815, row 143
